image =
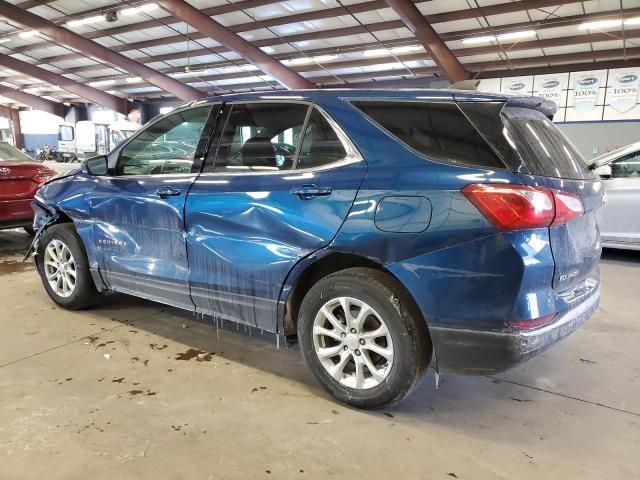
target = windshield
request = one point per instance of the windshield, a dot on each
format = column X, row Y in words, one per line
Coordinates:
column 10, row 153
column 543, row 147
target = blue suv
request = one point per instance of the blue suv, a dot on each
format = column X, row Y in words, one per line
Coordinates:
column 380, row 229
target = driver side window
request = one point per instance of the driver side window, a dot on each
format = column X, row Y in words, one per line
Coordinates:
column 166, row 147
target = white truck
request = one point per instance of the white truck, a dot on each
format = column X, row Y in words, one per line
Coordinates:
column 87, row 139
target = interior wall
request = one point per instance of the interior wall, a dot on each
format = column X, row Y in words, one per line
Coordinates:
column 594, row 139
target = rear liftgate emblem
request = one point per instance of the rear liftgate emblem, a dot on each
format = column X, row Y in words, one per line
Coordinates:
column 5, row 171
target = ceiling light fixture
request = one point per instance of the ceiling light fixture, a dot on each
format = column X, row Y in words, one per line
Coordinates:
column 5, row 39
column 517, row 35
column 147, row 7
column 299, row 61
column 102, row 82
column 406, row 49
column 483, row 39
column 632, row 21
column 601, row 24
column 85, row 21
column 28, row 33
column 378, row 52
column 324, row 58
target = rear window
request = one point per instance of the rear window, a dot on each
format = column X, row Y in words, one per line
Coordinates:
column 12, row 154
column 542, row 146
column 65, row 133
column 439, row 131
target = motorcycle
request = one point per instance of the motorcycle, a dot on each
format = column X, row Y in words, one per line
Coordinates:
column 45, row 154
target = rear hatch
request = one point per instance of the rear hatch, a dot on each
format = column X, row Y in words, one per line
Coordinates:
column 532, row 146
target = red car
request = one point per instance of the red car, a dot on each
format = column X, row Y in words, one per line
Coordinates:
column 20, row 177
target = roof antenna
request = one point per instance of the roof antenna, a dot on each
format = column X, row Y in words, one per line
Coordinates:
column 465, row 85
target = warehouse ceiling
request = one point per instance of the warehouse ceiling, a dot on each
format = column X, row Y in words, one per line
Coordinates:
column 331, row 43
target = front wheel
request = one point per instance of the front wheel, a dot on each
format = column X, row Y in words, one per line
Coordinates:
column 64, row 269
column 363, row 338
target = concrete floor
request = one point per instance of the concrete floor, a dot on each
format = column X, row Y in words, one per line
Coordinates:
column 251, row 411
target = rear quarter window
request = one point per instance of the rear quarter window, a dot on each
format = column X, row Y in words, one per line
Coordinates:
column 437, row 130
column 543, row 147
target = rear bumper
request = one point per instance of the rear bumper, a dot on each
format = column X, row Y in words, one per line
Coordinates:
column 484, row 352
column 16, row 213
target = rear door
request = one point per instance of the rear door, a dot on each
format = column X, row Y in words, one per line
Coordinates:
column 621, row 216
column 277, row 188
column 535, row 148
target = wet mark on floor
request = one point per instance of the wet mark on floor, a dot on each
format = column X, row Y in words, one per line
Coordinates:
column 141, row 392
column 92, row 339
column 118, row 380
column 516, row 399
column 192, row 353
column 104, row 344
column 155, row 346
column 256, row 389
column 587, row 361
column 387, row 414
column 451, row 474
column 14, row 266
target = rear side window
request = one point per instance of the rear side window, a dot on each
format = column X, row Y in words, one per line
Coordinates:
column 439, row 131
column 260, row 137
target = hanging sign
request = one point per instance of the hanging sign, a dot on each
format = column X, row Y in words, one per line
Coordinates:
column 517, row 85
column 585, row 91
column 550, row 88
column 623, row 94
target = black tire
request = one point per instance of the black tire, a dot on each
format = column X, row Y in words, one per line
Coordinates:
column 409, row 334
column 29, row 230
column 84, row 294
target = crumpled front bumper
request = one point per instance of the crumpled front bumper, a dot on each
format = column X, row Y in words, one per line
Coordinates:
column 484, row 352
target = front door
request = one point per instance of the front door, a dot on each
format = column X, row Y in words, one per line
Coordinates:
column 138, row 209
column 277, row 188
column 620, row 218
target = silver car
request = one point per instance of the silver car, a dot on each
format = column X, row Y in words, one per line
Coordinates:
column 620, row 172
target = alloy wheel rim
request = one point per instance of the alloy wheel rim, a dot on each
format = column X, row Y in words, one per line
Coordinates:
column 60, row 268
column 353, row 343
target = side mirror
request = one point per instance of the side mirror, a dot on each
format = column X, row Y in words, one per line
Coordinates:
column 603, row 171
column 97, row 166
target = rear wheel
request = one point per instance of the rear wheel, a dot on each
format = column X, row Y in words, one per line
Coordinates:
column 64, row 269
column 363, row 339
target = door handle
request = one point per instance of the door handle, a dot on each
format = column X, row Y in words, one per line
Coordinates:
column 307, row 192
column 167, row 191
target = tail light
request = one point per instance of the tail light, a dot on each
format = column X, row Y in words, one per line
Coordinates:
column 533, row 323
column 568, row 205
column 517, row 207
column 41, row 178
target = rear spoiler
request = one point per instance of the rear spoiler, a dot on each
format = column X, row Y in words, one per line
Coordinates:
column 546, row 107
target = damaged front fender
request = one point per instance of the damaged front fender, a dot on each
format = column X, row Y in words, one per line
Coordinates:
column 44, row 216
